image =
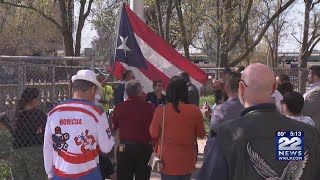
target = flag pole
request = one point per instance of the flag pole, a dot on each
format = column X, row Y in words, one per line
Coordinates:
column 137, row 6
column 117, row 35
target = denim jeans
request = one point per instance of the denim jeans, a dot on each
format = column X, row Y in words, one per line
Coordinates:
column 175, row 177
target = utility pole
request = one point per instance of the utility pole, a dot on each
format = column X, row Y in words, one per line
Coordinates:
column 137, row 6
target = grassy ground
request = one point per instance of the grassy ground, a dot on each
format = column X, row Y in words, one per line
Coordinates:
column 210, row 100
column 4, row 170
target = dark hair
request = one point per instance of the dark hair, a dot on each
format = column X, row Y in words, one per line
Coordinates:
column 185, row 76
column 233, row 81
column 219, row 95
column 285, row 87
column 284, row 78
column 240, row 69
column 125, row 74
column 177, row 91
column 28, row 95
column 226, row 70
column 315, row 70
column 294, row 102
column 155, row 83
column 82, row 85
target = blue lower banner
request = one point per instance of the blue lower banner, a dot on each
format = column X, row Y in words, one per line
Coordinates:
column 290, row 145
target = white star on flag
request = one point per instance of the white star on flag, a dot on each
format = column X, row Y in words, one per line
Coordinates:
column 124, row 45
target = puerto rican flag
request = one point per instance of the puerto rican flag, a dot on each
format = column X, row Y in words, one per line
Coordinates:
column 150, row 57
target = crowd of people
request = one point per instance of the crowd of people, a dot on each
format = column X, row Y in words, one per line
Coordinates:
column 81, row 138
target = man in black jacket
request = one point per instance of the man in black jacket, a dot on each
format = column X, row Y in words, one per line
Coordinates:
column 119, row 92
column 193, row 92
column 246, row 148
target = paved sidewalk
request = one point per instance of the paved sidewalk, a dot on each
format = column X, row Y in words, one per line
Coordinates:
column 201, row 144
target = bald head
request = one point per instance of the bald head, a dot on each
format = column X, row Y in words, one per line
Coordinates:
column 259, row 80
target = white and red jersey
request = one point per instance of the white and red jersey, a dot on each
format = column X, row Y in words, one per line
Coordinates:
column 75, row 131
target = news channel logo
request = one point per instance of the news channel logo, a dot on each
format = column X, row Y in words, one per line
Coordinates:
column 290, row 145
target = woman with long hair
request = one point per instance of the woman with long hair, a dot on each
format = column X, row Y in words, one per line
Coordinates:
column 183, row 123
column 28, row 132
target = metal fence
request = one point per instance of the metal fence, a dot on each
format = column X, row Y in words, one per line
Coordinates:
column 52, row 76
column 53, row 81
column 20, row 127
column 293, row 74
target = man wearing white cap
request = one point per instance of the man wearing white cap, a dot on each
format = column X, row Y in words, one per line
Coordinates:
column 76, row 129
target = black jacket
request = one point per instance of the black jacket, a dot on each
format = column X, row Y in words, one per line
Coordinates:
column 119, row 94
column 245, row 148
column 193, row 94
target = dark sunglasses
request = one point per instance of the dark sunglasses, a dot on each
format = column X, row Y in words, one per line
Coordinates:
column 245, row 84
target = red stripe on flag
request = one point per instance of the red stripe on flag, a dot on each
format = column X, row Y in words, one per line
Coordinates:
column 151, row 73
column 163, row 48
column 118, row 70
column 154, row 73
column 75, row 109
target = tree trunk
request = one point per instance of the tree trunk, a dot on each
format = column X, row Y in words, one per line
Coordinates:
column 218, row 33
column 66, row 29
column 183, row 29
column 159, row 18
column 224, row 59
column 79, row 28
column 303, row 58
column 167, row 23
column 68, row 43
column 218, row 50
column 82, row 17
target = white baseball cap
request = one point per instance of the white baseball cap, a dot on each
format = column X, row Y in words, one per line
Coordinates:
column 87, row 75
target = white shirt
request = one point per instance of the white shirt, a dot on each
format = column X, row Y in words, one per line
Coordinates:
column 74, row 130
column 305, row 119
column 314, row 85
column 125, row 96
column 97, row 97
column 277, row 96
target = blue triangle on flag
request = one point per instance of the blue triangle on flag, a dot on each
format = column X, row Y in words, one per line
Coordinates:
column 128, row 50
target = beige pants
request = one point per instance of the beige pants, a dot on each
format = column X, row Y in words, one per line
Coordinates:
column 116, row 144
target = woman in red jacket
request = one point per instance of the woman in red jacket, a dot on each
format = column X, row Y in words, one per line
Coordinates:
column 183, row 123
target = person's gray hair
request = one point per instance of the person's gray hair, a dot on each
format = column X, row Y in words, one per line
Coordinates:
column 133, row 88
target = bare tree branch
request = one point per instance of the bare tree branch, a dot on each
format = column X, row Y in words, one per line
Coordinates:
column 35, row 10
column 237, row 37
column 261, row 34
column 86, row 14
column 296, row 38
column 314, row 44
column 315, row 3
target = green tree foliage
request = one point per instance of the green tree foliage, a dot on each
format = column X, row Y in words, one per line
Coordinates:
column 61, row 14
column 104, row 20
column 24, row 32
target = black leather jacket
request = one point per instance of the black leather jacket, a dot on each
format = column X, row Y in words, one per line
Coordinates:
column 248, row 147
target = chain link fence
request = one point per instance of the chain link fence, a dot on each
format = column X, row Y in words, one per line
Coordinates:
column 29, row 82
column 30, row 87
